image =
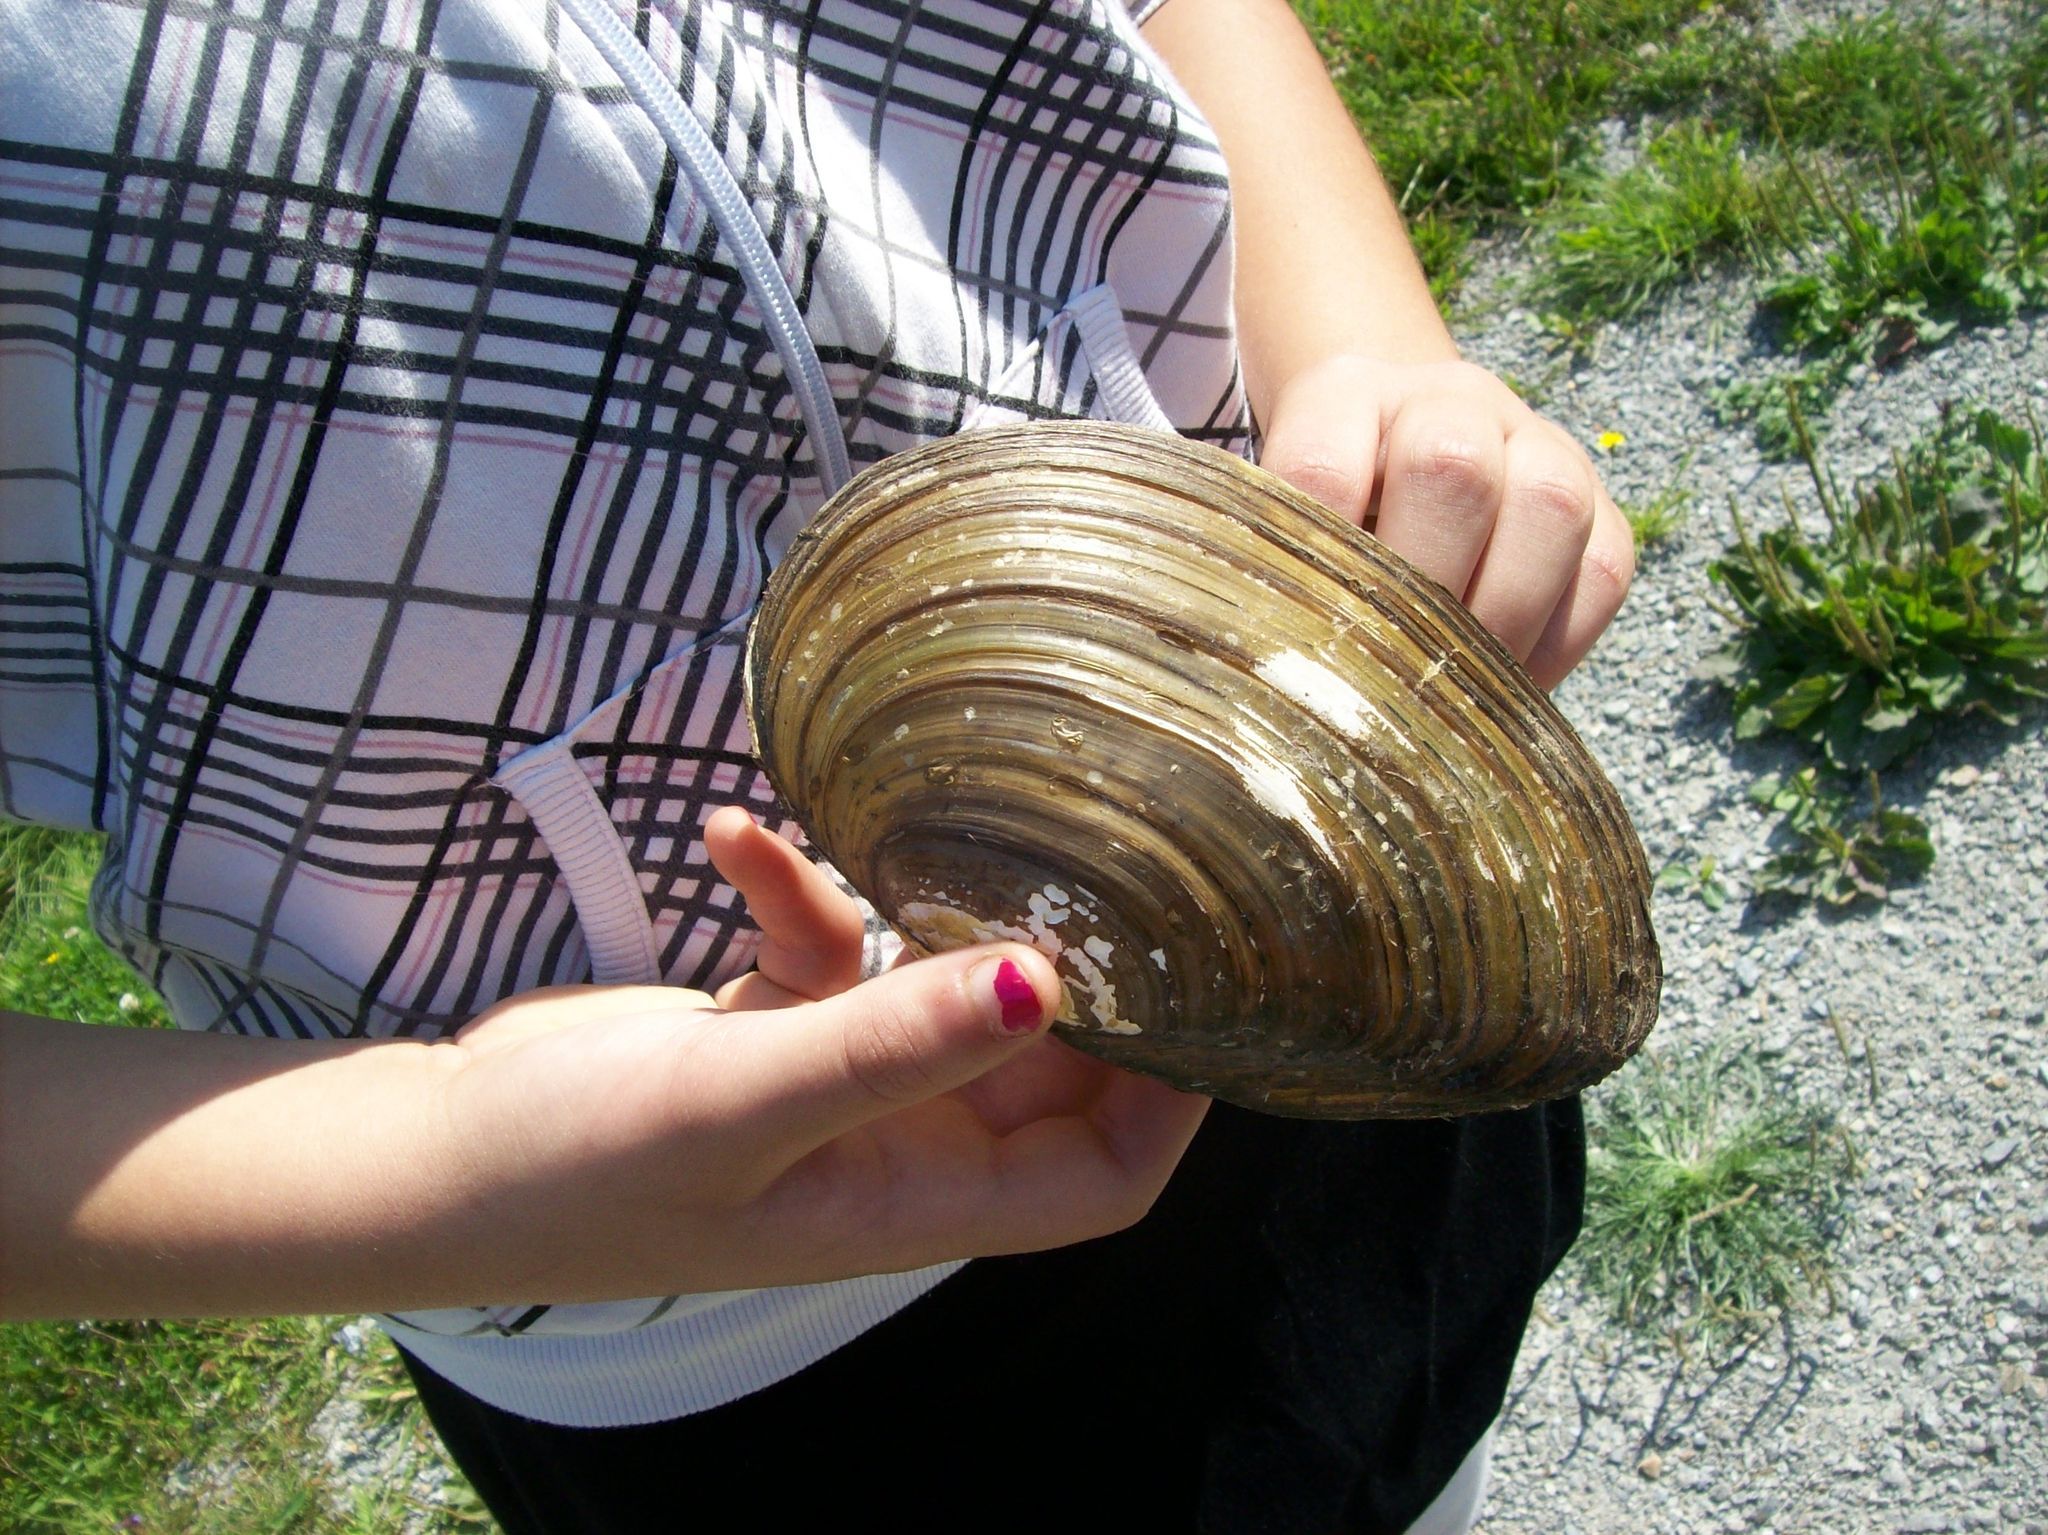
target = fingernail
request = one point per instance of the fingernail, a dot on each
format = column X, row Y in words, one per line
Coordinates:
column 1022, row 1011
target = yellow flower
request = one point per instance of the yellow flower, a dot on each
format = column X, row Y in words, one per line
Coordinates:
column 1607, row 442
column 53, row 956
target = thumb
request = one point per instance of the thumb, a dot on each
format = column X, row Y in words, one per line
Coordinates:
column 817, row 1071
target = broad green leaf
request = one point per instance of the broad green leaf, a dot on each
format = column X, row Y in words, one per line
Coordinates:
column 2011, row 445
column 1797, row 702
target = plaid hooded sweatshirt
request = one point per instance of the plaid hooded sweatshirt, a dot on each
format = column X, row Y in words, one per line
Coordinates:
column 401, row 405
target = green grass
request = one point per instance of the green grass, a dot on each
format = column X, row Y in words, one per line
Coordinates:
column 50, row 961
column 1444, row 246
column 1707, row 1197
column 1477, row 112
column 102, row 1423
column 1869, row 85
column 35, row 866
column 1615, row 244
column 1851, row 87
column 190, row 1427
column 1694, row 70
column 1660, row 519
column 1918, row 201
column 1777, row 405
column 1888, row 176
column 1924, row 597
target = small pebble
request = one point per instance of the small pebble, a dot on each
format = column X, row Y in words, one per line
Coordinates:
column 2000, row 1151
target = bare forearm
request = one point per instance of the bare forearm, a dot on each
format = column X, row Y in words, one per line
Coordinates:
column 579, row 1143
column 147, row 1172
column 1324, row 266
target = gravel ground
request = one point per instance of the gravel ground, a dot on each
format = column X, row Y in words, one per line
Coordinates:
column 1920, row 1402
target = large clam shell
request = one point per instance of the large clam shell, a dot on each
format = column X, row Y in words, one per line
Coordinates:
column 1297, row 832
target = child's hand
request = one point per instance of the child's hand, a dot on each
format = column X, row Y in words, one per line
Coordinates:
column 1455, row 473
column 800, row 1126
column 582, row 1143
column 1350, row 370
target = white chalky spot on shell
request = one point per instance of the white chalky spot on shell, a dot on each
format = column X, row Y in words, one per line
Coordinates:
column 1158, row 957
column 1045, row 911
column 901, row 732
column 1274, row 787
column 936, row 927
column 1328, row 697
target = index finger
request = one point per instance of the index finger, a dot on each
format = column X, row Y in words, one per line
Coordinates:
column 811, row 931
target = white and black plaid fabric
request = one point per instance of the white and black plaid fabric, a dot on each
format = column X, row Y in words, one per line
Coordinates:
column 380, row 416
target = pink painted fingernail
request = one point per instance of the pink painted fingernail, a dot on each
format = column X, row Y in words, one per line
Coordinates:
column 1022, row 1011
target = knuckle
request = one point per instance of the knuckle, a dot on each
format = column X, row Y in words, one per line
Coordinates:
column 1326, row 477
column 1608, row 567
column 1457, row 469
column 885, row 1054
column 1561, row 499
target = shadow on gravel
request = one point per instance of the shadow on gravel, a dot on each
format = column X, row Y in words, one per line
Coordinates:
column 1794, row 1376
column 1696, row 1381
column 1702, row 718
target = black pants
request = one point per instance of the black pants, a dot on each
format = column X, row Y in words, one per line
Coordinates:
column 1307, row 1334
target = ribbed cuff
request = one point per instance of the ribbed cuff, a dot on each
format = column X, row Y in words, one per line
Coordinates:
column 671, row 1368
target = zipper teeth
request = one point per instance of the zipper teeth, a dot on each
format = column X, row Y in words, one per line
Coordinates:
column 714, row 182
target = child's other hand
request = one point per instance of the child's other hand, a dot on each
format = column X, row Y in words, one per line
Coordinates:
column 1452, row 471
column 802, row 1125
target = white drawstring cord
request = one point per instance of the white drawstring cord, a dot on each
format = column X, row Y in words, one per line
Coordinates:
column 730, row 211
